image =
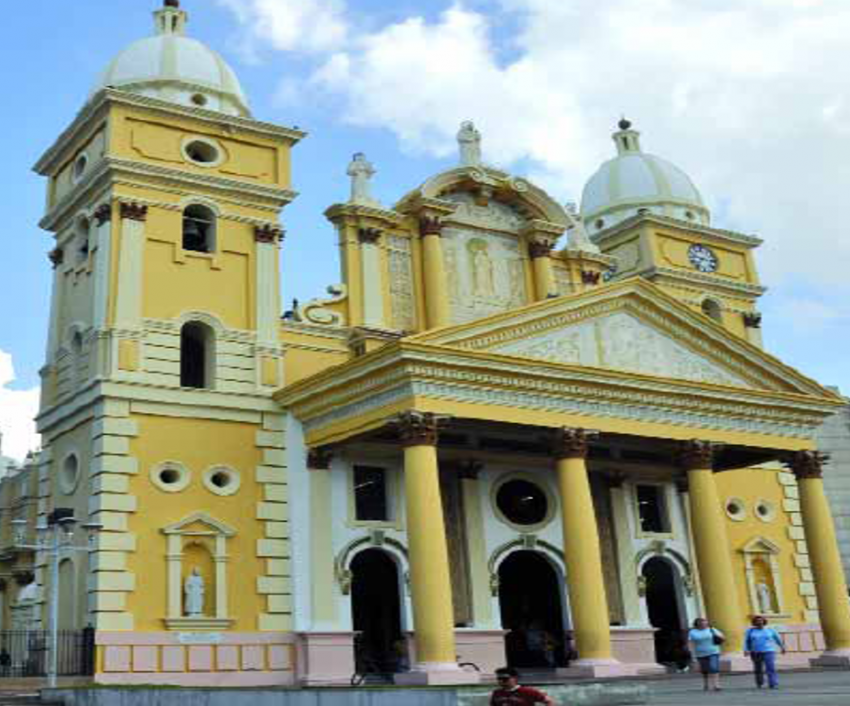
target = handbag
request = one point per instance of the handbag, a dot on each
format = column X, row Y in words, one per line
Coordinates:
column 717, row 639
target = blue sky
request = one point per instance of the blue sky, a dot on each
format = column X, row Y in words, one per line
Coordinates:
column 750, row 97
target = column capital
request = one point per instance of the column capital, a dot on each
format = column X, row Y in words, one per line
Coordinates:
column 696, row 455
column 572, row 443
column 807, row 464
column 589, row 277
column 268, row 233
column 103, row 214
column 56, row 257
column 430, row 225
column 319, row 458
column 134, row 211
column 540, row 247
column 419, row 428
column 369, row 236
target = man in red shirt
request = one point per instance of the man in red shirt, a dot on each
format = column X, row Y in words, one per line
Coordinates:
column 510, row 693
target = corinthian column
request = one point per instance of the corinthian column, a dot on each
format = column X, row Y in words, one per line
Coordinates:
column 583, row 557
column 713, row 554
column 430, row 583
column 436, row 287
column 830, row 584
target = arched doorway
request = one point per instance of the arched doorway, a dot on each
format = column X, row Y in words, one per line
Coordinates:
column 664, row 607
column 376, row 612
column 530, row 598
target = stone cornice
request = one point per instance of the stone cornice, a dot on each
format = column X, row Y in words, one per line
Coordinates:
column 109, row 170
column 404, row 371
column 705, row 281
column 354, row 213
column 717, row 235
column 101, row 101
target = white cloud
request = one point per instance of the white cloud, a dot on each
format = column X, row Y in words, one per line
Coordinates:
column 293, row 25
column 748, row 97
column 17, row 411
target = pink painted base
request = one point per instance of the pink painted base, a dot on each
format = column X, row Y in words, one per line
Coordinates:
column 734, row 663
column 443, row 675
column 325, row 658
column 839, row 659
column 597, row 669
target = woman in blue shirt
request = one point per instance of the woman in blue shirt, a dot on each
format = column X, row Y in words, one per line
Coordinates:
column 704, row 641
column 761, row 643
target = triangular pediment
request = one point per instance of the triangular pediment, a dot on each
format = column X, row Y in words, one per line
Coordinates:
column 629, row 327
column 200, row 523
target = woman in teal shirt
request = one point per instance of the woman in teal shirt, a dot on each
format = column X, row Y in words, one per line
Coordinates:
column 761, row 643
column 704, row 642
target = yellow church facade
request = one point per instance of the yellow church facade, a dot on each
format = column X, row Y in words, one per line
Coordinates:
column 515, row 432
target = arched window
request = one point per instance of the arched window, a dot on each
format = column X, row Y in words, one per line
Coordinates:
column 712, row 309
column 83, row 245
column 199, row 229
column 197, row 355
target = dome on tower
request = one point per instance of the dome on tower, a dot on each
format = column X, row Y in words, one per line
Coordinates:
column 173, row 67
column 635, row 182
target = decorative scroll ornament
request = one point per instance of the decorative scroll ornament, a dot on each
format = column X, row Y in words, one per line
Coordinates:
column 808, row 464
column 134, row 212
column 573, row 443
column 696, row 455
column 419, row 428
column 752, row 320
column 268, row 233
column 317, row 311
column 429, row 225
column 56, row 256
column 319, row 458
column 103, row 214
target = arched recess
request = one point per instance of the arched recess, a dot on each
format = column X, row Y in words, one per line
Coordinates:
column 200, row 228
column 713, row 309
column 69, row 618
column 532, row 605
column 375, row 539
column 198, row 541
column 660, row 549
column 377, row 610
column 526, row 541
column 665, row 605
column 764, row 578
column 197, row 355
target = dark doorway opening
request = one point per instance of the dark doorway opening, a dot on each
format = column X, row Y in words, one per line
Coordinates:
column 662, row 604
column 530, row 600
column 376, row 611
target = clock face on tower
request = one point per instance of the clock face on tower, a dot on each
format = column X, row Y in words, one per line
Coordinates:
column 702, row 258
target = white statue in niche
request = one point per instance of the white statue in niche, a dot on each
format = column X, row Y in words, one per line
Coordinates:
column 361, row 171
column 469, row 140
column 483, row 278
column 193, row 591
column 765, row 597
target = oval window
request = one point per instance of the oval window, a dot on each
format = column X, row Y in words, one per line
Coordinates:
column 202, row 152
column 522, row 502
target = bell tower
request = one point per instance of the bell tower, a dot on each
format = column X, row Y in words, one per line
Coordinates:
column 163, row 351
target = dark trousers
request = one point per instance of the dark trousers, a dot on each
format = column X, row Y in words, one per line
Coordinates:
column 765, row 662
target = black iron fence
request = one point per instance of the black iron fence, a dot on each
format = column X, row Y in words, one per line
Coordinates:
column 24, row 653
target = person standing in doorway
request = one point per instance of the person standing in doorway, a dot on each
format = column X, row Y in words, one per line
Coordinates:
column 510, row 693
column 761, row 644
column 705, row 642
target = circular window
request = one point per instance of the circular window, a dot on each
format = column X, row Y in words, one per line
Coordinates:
column 765, row 510
column 222, row 480
column 522, row 502
column 80, row 167
column 199, row 99
column 170, row 476
column 736, row 509
column 69, row 474
column 203, row 152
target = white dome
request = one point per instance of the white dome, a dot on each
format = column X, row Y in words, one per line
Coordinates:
column 635, row 182
column 175, row 68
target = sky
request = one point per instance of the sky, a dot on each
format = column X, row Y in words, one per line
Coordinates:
column 750, row 97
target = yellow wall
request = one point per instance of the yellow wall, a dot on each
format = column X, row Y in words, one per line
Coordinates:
column 197, row 444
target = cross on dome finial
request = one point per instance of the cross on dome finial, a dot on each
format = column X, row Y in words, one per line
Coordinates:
column 469, row 139
column 171, row 3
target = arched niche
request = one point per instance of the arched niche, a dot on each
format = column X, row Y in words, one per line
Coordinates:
column 764, row 578
column 198, row 541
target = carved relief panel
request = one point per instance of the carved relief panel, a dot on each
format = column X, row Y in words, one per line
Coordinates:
column 402, row 302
